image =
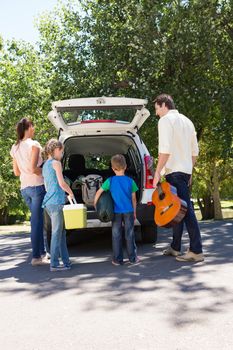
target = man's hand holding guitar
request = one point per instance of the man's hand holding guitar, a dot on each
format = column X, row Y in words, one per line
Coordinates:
column 163, row 158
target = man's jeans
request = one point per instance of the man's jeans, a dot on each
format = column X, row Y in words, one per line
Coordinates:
column 180, row 181
column 117, row 227
column 33, row 197
column 58, row 246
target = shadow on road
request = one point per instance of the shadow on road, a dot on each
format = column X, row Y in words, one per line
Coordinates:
column 202, row 288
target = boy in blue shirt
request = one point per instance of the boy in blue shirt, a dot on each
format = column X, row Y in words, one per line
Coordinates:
column 123, row 190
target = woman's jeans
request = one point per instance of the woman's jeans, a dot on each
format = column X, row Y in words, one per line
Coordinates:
column 58, row 246
column 33, row 197
column 117, row 226
column 181, row 182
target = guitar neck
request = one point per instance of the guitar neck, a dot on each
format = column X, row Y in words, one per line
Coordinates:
column 160, row 190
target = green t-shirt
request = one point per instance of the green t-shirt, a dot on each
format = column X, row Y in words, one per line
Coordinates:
column 107, row 183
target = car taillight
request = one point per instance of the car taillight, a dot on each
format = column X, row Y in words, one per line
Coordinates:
column 149, row 165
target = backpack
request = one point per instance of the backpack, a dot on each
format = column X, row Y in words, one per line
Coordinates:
column 105, row 207
column 90, row 185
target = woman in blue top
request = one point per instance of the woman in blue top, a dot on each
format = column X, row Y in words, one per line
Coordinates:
column 53, row 202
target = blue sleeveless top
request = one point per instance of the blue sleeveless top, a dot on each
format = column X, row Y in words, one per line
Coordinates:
column 54, row 193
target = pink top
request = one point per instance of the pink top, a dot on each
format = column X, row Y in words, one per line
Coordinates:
column 22, row 153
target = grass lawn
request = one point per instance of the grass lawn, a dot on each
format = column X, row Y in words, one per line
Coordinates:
column 227, row 209
column 227, row 204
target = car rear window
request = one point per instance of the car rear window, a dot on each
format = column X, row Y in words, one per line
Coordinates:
column 78, row 116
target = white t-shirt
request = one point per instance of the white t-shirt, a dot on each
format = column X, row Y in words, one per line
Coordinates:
column 22, row 153
column 177, row 137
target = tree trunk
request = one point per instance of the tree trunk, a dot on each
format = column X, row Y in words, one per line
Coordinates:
column 216, row 195
column 206, row 207
column 3, row 216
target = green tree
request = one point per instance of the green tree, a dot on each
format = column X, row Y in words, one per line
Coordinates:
column 135, row 48
column 201, row 78
column 141, row 48
column 23, row 92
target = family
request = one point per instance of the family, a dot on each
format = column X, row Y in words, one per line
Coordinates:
column 43, row 188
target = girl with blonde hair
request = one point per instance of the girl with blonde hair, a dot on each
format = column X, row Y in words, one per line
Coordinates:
column 53, row 203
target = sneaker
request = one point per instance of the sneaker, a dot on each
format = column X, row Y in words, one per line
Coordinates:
column 190, row 256
column 45, row 259
column 135, row 262
column 117, row 263
column 171, row 251
column 45, row 256
column 38, row 262
column 59, row 268
column 68, row 265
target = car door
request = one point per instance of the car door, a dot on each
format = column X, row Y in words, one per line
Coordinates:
column 103, row 115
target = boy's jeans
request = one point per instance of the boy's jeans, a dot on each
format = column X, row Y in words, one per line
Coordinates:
column 180, row 181
column 58, row 247
column 128, row 220
column 33, row 197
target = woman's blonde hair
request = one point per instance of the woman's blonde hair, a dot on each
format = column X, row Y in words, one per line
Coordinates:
column 50, row 147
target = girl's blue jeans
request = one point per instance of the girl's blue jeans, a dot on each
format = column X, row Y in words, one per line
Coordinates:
column 58, row 247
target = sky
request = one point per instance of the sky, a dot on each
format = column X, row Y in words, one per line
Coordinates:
column 17, row 18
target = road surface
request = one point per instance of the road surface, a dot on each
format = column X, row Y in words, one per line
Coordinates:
column 159, row 304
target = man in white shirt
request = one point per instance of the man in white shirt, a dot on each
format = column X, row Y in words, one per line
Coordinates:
column 178, row 151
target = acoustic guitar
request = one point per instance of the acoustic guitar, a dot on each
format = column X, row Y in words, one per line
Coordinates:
column 169, row 208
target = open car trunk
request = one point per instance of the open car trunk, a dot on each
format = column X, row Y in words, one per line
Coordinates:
column 98, row 115
column 92, row 155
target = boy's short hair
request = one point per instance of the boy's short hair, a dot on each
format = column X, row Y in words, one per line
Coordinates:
column 118, row 162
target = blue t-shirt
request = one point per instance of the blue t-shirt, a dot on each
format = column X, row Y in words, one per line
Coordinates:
column 54, row 193
column 121, row 188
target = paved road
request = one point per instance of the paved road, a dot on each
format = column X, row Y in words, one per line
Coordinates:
column 160, row 304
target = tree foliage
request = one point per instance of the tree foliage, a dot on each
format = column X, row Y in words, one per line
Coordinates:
column 23, row 92
column 136, row 48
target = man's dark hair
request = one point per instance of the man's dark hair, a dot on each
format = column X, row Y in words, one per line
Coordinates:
column 167, row 99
